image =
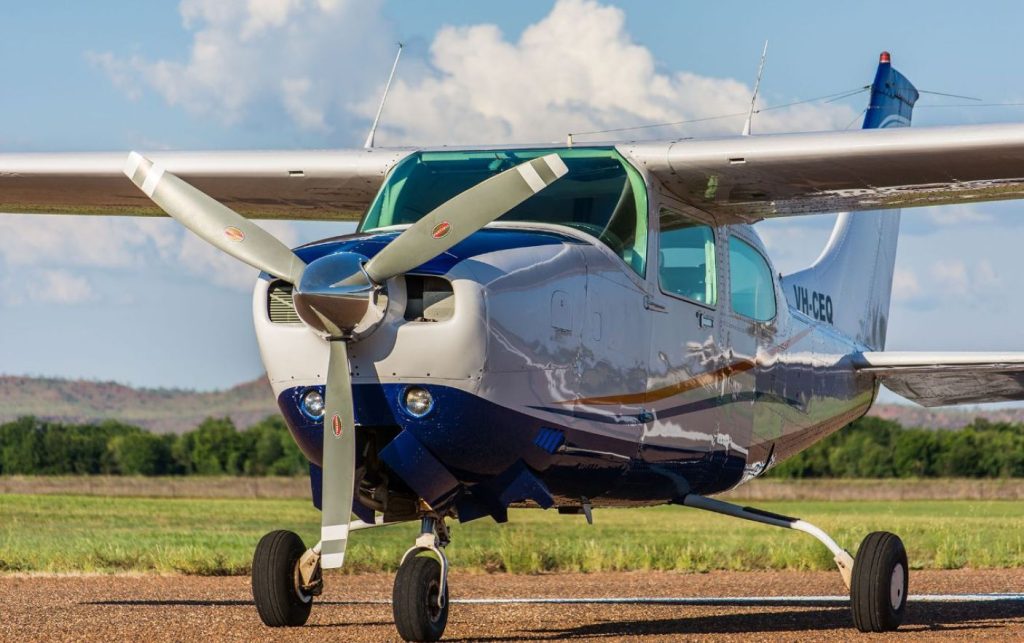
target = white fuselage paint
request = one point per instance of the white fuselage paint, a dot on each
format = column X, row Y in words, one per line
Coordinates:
column 726, row 388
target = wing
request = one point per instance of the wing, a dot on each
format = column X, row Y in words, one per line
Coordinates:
column 937, row 379
column 753, row 177
column 307, row 185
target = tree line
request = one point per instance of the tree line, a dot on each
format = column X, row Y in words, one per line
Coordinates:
column 215, row 447
column 869, row 448
column 875, row 448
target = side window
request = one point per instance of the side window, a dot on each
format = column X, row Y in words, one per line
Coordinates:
column 686, row 259
column 752, row 290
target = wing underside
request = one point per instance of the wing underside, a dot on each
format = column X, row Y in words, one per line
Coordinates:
column 307, row 185
column 939, row 379
column 739, row 179
column 744, row 179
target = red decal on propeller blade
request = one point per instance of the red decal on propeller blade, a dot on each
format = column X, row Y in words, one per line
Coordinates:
column 233, row 233
column 336, row 423
column 441, row 230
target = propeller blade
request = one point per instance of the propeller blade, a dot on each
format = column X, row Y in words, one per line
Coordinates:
column 339, row 460
column 212, row 221
column 464, row 214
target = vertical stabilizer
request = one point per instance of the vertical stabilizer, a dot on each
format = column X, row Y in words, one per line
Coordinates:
column 850, row 284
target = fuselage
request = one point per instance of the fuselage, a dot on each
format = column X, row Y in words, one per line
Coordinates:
column 625, row 364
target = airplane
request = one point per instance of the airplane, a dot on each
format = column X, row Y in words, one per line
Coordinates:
column 568, row 326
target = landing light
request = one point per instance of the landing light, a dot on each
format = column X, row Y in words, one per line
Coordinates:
column 418, row 401
column 313, row 404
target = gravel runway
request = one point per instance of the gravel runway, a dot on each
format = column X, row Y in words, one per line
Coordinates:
column 354, row 608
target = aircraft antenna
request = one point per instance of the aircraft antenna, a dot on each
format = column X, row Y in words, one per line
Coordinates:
column 383, row 99
column 757, row 86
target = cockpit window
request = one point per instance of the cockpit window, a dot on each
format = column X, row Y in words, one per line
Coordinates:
column 602, row 195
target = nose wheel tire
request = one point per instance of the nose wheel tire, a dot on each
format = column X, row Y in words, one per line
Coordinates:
column 878, row 590
column 276, row 589
column 418, row 615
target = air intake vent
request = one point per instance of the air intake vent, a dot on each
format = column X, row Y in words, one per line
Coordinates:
column 430, row 299
column 279, row 304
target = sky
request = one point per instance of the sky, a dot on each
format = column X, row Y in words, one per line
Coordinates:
column 140, row 302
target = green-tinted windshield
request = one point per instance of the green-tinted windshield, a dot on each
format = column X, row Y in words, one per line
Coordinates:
column 601, row 195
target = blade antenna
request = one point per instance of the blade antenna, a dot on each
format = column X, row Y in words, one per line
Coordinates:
column 383, row 99
column 757, row 86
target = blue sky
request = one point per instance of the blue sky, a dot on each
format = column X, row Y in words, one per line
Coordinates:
column 142, row 303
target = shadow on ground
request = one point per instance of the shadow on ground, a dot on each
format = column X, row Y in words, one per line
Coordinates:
column 760, row 617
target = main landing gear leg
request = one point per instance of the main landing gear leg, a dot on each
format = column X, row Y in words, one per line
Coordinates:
column 420, row 597
column 877, row 578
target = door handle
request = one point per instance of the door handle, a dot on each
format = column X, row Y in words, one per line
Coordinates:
column 705, row 321
column 650, row 304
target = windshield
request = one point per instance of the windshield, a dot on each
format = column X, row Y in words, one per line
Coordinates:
column 601, row 195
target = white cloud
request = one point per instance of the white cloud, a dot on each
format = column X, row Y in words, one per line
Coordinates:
column 795, row 243
column 951, row 276
column 103, row 242
column 32, row 242
column 60, row 287
column 256, row 58
column 905, row 286
column 958, row 277
column 296, row 101
column 955, row 215
column 575, row 70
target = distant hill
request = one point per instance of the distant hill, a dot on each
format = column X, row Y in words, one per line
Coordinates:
column 943, row 418
column 159, row 410
column 178, row 410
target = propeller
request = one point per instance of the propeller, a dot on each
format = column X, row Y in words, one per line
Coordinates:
column 335, row 294
column 214, row 222
column 339, row 459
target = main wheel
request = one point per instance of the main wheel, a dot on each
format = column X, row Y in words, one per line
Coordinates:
column 418, row 616
column 878, row 592
column 276, row 581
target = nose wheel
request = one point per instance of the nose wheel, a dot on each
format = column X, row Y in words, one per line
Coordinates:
column 878, row 591
column 420, row 608
column 420, row 597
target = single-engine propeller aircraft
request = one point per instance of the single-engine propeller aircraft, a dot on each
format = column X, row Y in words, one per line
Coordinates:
column 568, row 326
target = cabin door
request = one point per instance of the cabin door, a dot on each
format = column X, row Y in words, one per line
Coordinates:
column 686, row 353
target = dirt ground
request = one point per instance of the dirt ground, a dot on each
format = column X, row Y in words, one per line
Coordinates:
column 355, row 608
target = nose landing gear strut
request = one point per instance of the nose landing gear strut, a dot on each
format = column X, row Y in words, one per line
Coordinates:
column 420, row 597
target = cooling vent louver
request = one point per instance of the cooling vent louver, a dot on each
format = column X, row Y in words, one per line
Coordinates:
column 279, row 304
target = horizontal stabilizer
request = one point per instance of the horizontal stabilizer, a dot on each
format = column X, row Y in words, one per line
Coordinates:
column 938, row 379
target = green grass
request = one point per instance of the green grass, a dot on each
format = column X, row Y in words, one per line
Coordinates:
column 216, row 536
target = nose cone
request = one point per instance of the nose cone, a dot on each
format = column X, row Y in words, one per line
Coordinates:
column 337, row 299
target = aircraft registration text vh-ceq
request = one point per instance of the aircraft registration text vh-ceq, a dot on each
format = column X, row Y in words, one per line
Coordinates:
column 564, row 326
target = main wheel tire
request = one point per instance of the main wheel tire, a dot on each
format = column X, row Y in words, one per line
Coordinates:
column 275, row 580
column 418, row 617
column 878, row 592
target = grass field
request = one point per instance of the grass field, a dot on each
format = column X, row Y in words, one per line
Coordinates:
column 54, row 533
column 756, row 491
